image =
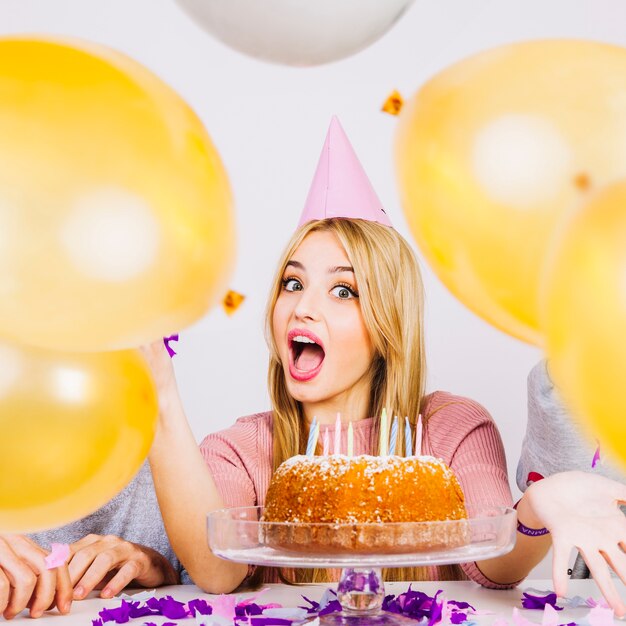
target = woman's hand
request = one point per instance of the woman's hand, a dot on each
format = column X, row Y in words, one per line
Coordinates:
column 110, row 563
column 25, row 581
column 162, row 370
column 581, row 510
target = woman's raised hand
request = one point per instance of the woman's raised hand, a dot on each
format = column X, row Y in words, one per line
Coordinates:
column 160, row 364
column 581, row 510
column 111, row 564
column 25, row 581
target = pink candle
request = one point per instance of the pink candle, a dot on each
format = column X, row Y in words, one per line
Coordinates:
column 326, row 442
column 350, row 440
column 338, row 434
column 418, row 435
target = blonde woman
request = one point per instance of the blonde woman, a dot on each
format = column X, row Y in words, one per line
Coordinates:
column 352, row 287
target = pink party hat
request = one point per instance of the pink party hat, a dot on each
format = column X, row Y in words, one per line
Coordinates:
column 340, row 187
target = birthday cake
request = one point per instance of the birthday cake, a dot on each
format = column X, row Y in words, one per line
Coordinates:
column 364, row 503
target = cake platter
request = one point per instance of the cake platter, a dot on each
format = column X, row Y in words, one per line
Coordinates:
column 360, row 550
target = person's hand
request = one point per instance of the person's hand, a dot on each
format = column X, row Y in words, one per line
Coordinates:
column 111, row 563
column 581, row 510
column 162, row 371
column 25, row 582
column 160, row 364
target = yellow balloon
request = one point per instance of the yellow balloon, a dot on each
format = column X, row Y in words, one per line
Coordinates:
column 116, row 225
column 494, row 151
column 74, row 429
column 585, row 317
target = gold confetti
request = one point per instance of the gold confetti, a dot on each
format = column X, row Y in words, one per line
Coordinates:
column 232, row 301
column 393, row 104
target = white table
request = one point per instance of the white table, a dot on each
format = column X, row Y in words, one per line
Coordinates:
column 500, row 602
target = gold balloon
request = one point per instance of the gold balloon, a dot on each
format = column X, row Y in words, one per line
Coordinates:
column 115, row 210
column 74, row 429
column 494, row 151
column 585, row 318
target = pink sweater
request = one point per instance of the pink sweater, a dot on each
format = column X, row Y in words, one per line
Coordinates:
column 459, row 431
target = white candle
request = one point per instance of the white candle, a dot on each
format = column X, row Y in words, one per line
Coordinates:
column 338, row 434
column 394, row 436
column 312, row 441
column 408, row 438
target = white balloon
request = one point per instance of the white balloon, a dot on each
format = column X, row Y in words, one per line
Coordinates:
column 297, row 32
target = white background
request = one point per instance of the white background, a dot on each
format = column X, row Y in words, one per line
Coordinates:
column 269, row 122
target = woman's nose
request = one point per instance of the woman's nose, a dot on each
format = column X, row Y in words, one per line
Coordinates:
column 307, row 306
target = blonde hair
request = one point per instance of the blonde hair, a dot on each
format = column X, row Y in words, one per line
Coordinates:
column 391, row 301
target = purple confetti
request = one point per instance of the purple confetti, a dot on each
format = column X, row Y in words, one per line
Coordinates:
column 531, row 601
column 596, row 456
column 120, row 615
column 413, row 604
column 199, row 607
column 419, row 605
column 167, row 341
column 436, row 610
column 170, row 608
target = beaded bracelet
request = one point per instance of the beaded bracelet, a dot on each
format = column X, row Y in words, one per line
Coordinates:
column 529, row 532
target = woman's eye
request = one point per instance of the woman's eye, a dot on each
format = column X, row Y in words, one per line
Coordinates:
column 292, row 284
column 343, row 292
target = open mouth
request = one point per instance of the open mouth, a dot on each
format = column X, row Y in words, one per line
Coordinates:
column 307, row 355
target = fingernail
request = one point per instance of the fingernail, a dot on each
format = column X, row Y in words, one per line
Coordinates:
column 107, row 593
column 36, row 614
column 79, row 592
column 65, row 607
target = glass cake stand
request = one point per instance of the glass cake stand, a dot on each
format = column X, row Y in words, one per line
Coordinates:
column 361, row 550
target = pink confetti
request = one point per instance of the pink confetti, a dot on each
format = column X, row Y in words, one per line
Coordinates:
column 600, row 616
column 446, row 610
column 519, row 620
column 224, row 606
column 550, row 616
column 60, row 553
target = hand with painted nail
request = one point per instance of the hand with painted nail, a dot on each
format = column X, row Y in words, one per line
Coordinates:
column 110, row 563
column 581, row 510
column 25, row 581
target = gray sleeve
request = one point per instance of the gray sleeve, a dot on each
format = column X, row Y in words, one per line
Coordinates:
column 554, row 442
column 542, row 404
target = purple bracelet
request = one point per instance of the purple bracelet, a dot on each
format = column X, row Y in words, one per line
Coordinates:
column 529, row 532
